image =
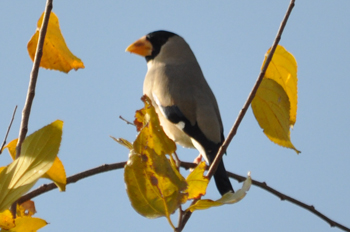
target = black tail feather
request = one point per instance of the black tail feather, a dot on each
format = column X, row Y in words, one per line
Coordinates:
column 220, row 176
column 221, row 179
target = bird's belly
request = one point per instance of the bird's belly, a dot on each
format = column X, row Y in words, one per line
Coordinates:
column 174, row 132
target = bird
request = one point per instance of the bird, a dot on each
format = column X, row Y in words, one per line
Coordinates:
column 185, row 104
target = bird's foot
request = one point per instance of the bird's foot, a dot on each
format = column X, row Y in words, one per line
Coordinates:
column 198, row 159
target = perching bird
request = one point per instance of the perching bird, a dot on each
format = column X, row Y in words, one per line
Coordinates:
column 186, row 106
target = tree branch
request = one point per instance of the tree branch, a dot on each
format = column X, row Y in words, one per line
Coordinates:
column 186, row 165
column 8, row 129
column 241, row 114
column 31, row 87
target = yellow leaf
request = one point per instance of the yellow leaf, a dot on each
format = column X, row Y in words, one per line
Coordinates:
column 39, row 151
column 197, row 182
column 283, row 69
column 154, row 186
column 154, row 136
column 25, row 224
column 275, row 103
column 56, row 54
column 271, row 109
column 57, row 174
column 6, row 220
column 204, row 204
column 11, row 147
column 228, row 198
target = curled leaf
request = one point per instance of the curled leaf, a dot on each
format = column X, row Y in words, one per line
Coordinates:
column 56, row 54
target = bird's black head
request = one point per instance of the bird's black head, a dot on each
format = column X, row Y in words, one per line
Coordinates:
column 158, row 39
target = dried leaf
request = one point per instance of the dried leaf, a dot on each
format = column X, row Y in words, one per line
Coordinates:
column 27, row 208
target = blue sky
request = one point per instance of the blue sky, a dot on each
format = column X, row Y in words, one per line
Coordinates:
column 229, row 39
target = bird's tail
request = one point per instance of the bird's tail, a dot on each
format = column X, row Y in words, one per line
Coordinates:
column 222, row 181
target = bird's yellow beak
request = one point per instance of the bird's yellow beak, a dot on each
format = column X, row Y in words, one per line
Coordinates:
column 140, row 47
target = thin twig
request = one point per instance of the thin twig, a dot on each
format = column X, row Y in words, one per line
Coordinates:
column 31, row 87
column 8, row 129
column 72, row 179
column 127, row 122
column 241, row 114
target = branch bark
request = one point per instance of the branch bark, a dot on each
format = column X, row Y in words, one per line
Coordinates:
column 72, row 179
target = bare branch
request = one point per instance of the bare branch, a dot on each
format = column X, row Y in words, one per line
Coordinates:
column 187, row 165
column 283, row 197
column 31, row 87
column 72, row 179
column 8, row 129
